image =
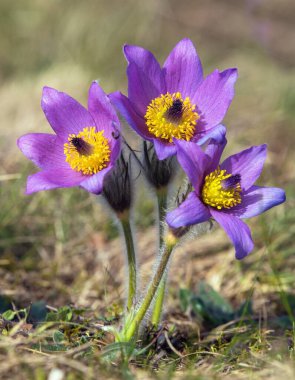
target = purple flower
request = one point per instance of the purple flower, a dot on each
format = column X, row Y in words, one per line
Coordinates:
column 175, row 101
column 83, row 149
column 225, row 192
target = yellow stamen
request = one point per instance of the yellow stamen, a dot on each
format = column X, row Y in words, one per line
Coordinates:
column 165, row 124
column 217, row 196
column 92, row 158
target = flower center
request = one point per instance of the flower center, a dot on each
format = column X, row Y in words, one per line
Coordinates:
column 170, row 116
column 88, row 151
column 222, row 190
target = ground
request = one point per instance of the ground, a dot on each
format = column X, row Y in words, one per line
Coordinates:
column 62, row 271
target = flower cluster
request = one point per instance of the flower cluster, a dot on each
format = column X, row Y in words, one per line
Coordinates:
column 178, row 113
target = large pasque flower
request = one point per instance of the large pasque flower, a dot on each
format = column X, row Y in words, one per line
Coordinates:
column 84, row 148
column 225, row 192
column 175, row 101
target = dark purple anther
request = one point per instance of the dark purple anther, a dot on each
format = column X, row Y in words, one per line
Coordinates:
column 231, row 182
column 174, row 113
column 82, row 147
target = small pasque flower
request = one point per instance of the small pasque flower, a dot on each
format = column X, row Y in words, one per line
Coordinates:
column 83, row 149
column 224, row 192
column 174, row 102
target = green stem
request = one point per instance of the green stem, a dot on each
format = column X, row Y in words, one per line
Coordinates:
column 162, row 206
column 130, row 330
column 131, row 258
column 159, row 299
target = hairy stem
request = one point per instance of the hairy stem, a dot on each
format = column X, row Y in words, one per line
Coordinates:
column 131, row 328
column 159, row 298
column 131, row 258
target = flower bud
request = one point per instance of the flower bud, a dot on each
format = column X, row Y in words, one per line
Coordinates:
column 159, row 173
column 117, row 186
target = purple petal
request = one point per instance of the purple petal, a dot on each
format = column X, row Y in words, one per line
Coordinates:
column 37, row 147
column 64, row 114
column 183, row 69
column 213, row 97
column 141, row 88
column 248, row 163
column 145, row 77
column 125, row 107
column 53, row 178
column 94, row 183
column 258, row 200
column 102, row 111
column 217, row 133
column 191, row 211
column 45, row 150
column 193, row 161
column 147, row 64
column 115, row 148
column 163, row 150
column 238, row 232
column 215, row 146
column 39, row 182
column 105, row 117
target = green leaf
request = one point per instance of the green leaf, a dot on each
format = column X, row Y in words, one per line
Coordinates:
column 185, row 296
column 9, row 315
column 63, row 314
column 213, row 298
column 209, row 306
column 58, row 337
column 118, row 349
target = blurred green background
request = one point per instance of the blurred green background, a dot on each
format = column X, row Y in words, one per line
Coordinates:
column 66, row 44
column 58, row 245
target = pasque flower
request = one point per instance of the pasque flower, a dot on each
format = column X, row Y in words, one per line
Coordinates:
column 84, row 148
column 175, row 101
column 224, row 192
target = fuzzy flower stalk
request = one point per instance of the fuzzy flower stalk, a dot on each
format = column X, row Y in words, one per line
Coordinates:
column 84, row 151
column 117, row 190
column 134, row 319
column 159, row 174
